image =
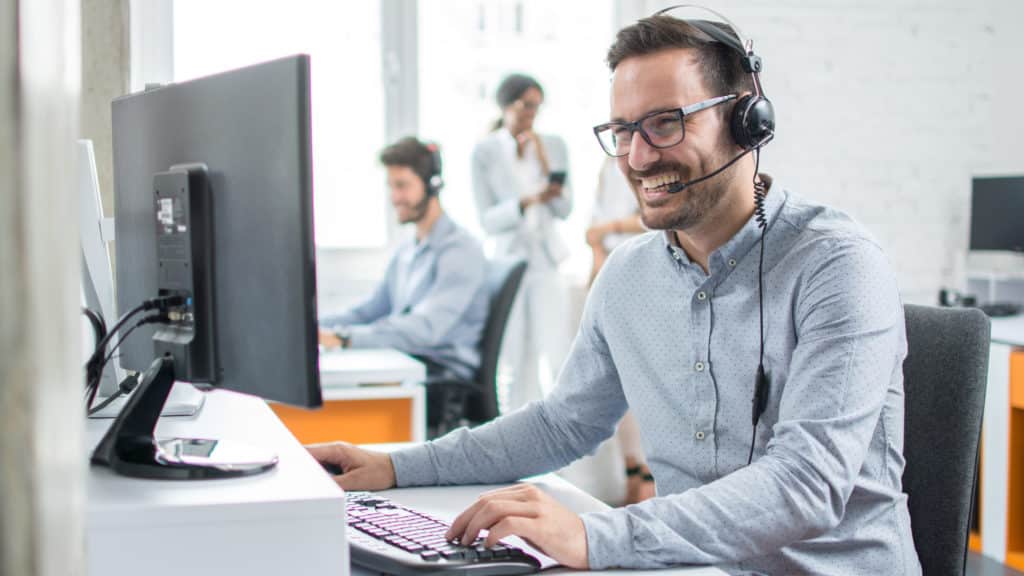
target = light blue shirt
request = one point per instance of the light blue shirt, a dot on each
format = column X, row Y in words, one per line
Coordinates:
column 432, row 301
column 679, row 347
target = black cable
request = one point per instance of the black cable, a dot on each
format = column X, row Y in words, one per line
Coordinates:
column 761, row 384
column 125, row 387
column 99, row 326
column 162, row 303
column 94, row 386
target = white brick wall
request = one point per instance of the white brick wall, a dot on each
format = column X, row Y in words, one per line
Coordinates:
column 886, row 110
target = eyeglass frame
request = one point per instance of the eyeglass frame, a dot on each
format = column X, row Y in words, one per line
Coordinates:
column 635, row 126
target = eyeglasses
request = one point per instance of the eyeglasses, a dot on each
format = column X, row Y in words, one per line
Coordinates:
column 660, row 129
column 527, row 106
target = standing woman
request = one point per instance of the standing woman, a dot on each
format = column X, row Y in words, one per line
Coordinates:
column 521, row 188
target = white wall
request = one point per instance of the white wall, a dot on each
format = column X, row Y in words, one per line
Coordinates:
column 886, row 109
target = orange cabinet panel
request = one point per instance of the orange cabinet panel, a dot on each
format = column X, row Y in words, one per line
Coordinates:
column 356, row 421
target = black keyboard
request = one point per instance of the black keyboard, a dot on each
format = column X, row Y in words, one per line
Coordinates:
column 390, row 538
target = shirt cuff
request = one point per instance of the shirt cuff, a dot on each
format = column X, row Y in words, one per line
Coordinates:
column 608, row 538
column 414, row 466
column 506, row 215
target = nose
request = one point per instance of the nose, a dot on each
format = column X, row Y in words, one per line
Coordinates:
column 641, row 154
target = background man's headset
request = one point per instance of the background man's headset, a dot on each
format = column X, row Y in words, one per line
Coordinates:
column 752, row 125
column 432, row 178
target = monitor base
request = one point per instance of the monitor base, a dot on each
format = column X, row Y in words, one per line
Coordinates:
column 129, row 447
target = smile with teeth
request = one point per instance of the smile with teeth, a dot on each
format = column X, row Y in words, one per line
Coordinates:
column 655, row 182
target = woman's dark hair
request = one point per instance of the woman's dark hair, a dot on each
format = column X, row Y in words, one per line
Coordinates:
column 722, row 66
column 511, row 89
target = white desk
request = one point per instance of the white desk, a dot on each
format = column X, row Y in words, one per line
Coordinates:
column 353, row 367
column 1008, row 330
column 264, row 524
column 376, row 374
column 286, row 521
column 446, row 502
column 1007, row 335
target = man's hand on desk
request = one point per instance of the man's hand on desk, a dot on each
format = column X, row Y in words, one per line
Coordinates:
column 329, row 339
column 363, row 469
column 526, row 511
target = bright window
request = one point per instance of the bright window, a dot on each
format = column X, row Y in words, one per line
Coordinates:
column 343, row 41
column 467, row 46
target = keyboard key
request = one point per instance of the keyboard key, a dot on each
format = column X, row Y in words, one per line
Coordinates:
column 430, row 555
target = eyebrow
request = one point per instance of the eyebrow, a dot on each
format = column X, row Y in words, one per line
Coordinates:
column 648, row 113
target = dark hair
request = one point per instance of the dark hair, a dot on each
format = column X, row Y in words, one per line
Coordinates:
column 721, row 65
column 411, row 153
column 513, row 87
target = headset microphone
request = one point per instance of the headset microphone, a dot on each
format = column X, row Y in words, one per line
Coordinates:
column 677, row 187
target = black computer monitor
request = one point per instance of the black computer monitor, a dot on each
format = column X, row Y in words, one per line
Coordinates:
column 213, row 186
column 997, row 214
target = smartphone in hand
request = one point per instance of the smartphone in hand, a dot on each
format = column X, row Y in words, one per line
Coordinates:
column 556, row 178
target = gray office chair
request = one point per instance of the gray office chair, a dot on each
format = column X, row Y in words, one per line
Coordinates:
column 452, row 403
column 945, row 375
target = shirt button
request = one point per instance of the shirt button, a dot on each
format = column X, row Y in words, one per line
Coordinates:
column 699, row 366
column 732, row 261
column 700, row 435
column 702, row 295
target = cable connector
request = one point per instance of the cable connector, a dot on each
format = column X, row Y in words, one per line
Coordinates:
column 165, row 302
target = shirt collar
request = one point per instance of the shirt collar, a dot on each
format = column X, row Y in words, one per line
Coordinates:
column 442, row 228
column 740, row 244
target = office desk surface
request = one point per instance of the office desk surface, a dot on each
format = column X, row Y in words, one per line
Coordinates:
column 269, row 523
column 368, row 366
column 446, row 502
column 1008, row 330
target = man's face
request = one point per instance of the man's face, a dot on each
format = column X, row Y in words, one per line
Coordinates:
column 662, row 81
column 408, row 194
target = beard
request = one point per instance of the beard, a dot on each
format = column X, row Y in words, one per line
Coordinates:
column 417, row 211
column 690, row 206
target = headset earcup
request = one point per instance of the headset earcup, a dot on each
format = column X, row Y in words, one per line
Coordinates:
column 753, row 120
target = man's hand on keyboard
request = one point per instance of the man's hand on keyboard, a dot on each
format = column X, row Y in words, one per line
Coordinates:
column 362, row 469
column 526, row 511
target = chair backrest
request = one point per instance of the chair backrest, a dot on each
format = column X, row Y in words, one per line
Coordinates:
column 503, row 279
column 945, row 375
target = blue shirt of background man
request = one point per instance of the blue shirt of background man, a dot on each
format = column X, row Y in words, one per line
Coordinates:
column 432, row 301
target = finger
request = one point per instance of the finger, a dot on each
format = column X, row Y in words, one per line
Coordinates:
column 494, row 512
column 518, row 492
column 461, row 521
column 357, row 479
column 340, row 453
column 512, row 526
column 319, row 451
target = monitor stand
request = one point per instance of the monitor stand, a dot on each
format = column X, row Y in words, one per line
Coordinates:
column 184, row 400
column 129, row 447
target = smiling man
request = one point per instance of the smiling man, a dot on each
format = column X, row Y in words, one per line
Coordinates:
column 673, row 331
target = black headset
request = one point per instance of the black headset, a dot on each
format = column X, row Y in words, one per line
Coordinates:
column 432, row 178
column 753, row 117
column 752, row 125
